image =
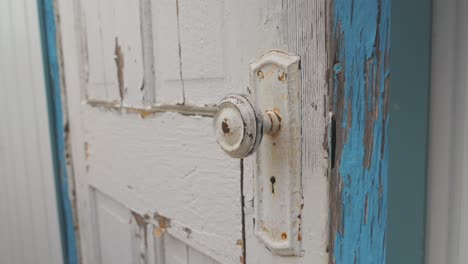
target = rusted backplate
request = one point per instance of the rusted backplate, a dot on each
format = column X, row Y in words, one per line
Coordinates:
column 275, row 85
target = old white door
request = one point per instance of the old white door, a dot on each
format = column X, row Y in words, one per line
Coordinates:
column 141, row 81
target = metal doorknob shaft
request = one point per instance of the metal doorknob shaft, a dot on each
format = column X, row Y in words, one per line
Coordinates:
column 239, row 126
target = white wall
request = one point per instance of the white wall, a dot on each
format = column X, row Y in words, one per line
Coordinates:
column 29, row 229
column 447, row 211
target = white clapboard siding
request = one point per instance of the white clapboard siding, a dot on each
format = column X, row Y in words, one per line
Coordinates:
column 447, row 210
column 29, row 226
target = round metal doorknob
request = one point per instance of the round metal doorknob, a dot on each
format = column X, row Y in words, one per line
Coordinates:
column 239, row 126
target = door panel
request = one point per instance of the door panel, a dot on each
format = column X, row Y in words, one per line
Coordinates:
column 114, row 230
column 111, row 30
column 190, row 50
column 177, row 252
column 133, row 174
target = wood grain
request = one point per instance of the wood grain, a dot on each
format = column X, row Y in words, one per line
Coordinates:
column 359, row 75
column 168, row 164
column 299, row 27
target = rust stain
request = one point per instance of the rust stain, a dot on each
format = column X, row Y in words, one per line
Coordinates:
column 142, row 224
column 145, row 114
column 158, row 232
column 120, row 62
column 277, row 112
column 163, row 224
column 284, row 236
column 282, row 77
column 87, row 151
column 240, row 242
column 278, row 115
column 260, row 75
column 139, row 219
column 186, row 110
column 299, row 219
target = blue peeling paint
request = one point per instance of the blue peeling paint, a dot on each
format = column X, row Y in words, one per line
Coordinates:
column 361, row 28
column 52, row 76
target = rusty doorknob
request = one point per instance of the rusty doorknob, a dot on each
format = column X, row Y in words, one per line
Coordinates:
column 239, row 126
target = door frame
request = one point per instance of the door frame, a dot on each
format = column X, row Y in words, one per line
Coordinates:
column 58, row 128
column 410, row 60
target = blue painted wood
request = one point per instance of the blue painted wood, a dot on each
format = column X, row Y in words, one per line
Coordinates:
column 358, row 195
column 52, row 76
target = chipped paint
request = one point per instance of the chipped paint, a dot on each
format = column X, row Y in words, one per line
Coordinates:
column 87, row 151
column 163, row 224
column 240, row 242
column 148, row 85
column 142, row 225
column 282, row 76
column 158, row 232
column 120, row 64
column 186, row 109
column 359, row 91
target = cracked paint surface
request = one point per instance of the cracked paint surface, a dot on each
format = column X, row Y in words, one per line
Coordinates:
column 358, row 181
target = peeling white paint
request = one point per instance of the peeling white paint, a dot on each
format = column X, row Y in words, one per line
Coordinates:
column 161, row 161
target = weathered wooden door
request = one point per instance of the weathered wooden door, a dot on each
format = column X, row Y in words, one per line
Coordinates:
column 141, row 82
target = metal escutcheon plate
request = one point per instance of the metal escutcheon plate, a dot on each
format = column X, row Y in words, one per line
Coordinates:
column 275, row 84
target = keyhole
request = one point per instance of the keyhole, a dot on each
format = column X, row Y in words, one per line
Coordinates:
column 272, row 180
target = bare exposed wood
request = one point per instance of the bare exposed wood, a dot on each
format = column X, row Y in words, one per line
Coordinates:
column 358, row 85
column 207, row 111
